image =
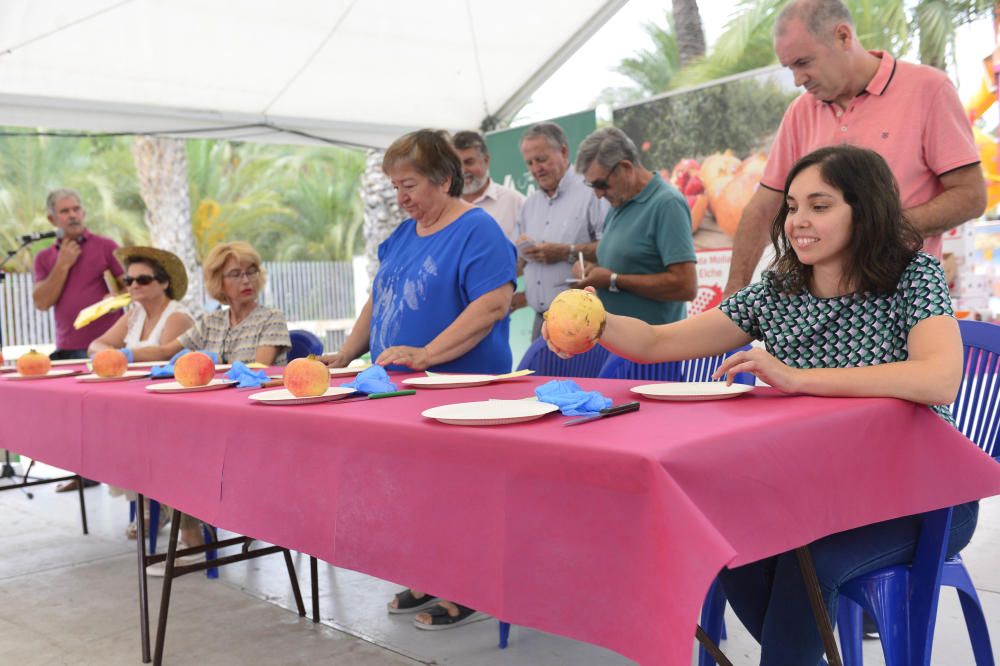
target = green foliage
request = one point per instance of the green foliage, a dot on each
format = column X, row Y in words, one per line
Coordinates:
column 291, row 202
column 738, row 115
column 746, row 42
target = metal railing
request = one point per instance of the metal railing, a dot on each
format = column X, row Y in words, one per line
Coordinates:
column 306, row 291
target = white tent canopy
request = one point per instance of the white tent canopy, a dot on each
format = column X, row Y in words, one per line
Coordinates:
column 357, row 72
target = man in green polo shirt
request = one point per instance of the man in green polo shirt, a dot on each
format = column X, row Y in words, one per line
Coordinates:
column 645, row 259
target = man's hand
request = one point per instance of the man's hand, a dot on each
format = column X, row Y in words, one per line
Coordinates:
column 518, row 301
column 597, row 277
column 69, row 252
column 416, row 358
column 546, row 253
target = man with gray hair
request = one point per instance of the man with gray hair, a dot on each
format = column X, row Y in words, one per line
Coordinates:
column 502, row 203
column 910, row 114
column 558, row 224
column 70, row 275
column 645, row 259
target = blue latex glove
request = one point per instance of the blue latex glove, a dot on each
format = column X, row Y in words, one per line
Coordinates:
column 166, row 371
column 571, row 399
column 245, row 377
column 129, row 354
column 372, row 380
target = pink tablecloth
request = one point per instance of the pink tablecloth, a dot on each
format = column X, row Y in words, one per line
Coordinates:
column 609, row 532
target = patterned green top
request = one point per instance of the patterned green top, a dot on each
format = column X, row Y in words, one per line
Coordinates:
column 804, row 331
column 263, row 327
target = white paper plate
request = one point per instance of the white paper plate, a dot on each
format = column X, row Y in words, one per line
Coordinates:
column 222, row 367
column 449, row 381
column 690, row 391
column 284, row 397
column 349, row 370
column 490, row 412
column 144, row 364
column 175, row 387
column 70, row 361
column 52, row 375
column 129, row 374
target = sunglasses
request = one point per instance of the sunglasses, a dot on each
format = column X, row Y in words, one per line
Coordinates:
column 142, row 279
column 601, row 183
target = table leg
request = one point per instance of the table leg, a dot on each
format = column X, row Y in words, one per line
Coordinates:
column 710, row 647
column 819, row 608
column 140, row 521
column 314, row 587
column 83, row 503
column 168, row 580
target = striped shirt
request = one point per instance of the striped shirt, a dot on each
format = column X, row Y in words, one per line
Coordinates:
column 263, row 327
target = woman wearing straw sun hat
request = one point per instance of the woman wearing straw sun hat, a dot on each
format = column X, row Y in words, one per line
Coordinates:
column 157, row 281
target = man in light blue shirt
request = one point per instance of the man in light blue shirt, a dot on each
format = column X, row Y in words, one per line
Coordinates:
column 556, row 224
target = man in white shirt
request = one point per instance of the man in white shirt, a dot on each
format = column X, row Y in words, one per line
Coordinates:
column 502, row 203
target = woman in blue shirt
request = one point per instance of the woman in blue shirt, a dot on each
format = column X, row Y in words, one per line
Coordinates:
column 440, row 299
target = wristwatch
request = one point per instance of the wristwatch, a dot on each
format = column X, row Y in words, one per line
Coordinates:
column 613, row 284
column 572, row 257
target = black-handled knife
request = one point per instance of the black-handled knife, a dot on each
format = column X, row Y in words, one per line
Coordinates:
column 613, row 410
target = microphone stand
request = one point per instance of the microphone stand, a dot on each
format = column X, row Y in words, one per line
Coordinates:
column 6, row 469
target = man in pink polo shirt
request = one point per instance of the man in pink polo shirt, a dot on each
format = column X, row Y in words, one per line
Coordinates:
column 910, row 114
column 70, row 274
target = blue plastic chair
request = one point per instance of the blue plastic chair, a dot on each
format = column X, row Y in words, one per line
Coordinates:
column 544, row 362
column 303, row 344
column 693, row 370
column 903, row 599
column 615, row 367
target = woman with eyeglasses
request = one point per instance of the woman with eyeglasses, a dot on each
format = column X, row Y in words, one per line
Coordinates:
column 245, row 331
column 156, row 281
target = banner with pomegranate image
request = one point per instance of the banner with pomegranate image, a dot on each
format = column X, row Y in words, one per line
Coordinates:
column 711, row 141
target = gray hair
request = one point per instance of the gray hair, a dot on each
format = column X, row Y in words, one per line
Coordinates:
column 467, row 139
column 56, row 195
column 550, row 132
column 818, row 16
column 608, row 146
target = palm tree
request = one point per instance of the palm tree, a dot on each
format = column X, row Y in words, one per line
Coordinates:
column 690, row 35
column 324, row 217
column 161, row 167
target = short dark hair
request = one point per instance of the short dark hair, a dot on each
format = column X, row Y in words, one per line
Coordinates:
column 431, row 153
column 158, row 271
column 882, row 241
column 467, row 139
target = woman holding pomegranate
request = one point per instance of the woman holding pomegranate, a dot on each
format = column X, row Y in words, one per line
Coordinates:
column 441, row 296
column 850, row 307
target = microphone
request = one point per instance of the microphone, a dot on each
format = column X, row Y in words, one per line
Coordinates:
column 39, row 235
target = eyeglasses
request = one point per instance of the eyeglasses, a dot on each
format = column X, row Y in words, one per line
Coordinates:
column 601, row 183
column 251, row 274
column 141, row 279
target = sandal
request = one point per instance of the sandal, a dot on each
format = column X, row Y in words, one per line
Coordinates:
column 407, row 603
column 442, row 619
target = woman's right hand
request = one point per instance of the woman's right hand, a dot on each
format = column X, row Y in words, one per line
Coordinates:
column 336, row 360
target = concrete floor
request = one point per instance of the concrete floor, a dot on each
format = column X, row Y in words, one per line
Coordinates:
column 71, row 599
